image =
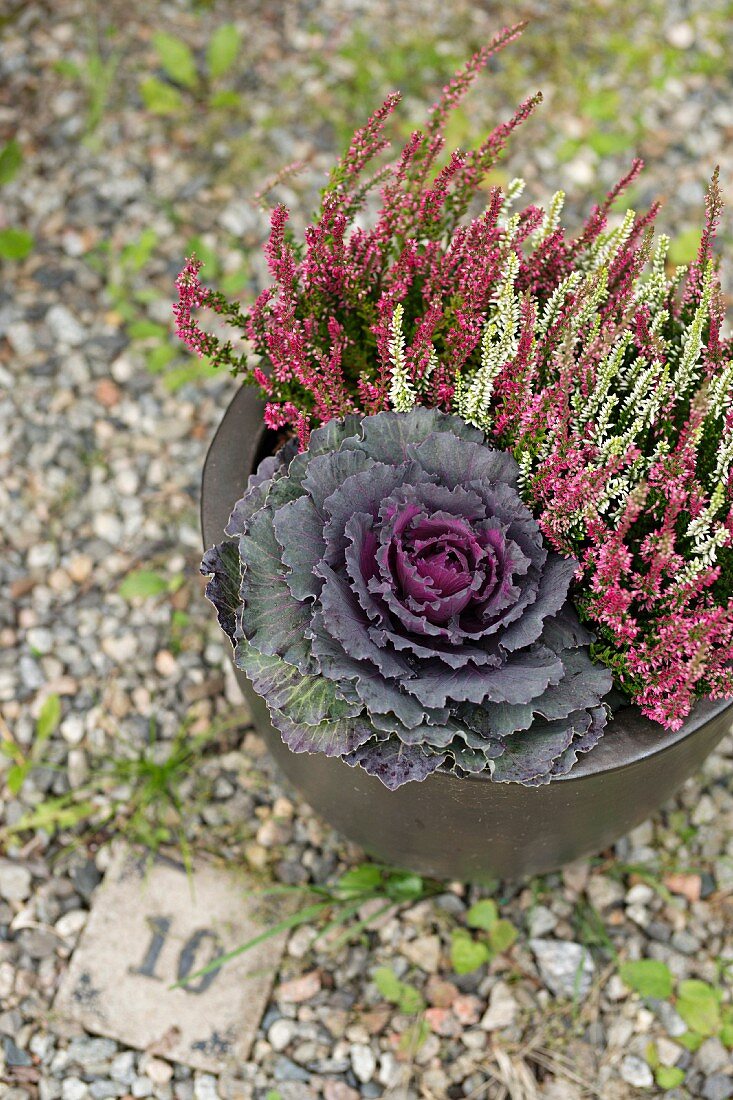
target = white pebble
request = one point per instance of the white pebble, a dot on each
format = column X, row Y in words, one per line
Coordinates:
column 363, row 1062
column 71, row 924
column 636, row 1072
column 15, row 881
column 107, row 527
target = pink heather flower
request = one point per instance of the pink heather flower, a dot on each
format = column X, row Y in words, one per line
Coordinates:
column 191, row 295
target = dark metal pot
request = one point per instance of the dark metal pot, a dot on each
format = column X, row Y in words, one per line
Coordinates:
column 469, row 829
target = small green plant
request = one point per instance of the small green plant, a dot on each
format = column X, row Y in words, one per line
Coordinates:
column 15, row 244
column 179, row 622
column 132, row 295
column 137, row 795
column 408, row 1001
column 186, row 80
column 405, row 997
column 96, row 76
column 591, row 928
column 337, row 906
column 648, row 977
column 666, row 1077
column 11, row 161
column 22, row 763
column 147, row 583
column 699, row 1004
column 468, row 952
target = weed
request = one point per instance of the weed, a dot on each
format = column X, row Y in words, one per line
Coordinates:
column 22, row 763
column 186, row 83
column 15, row 244
column 131, row 294
column 337, row 904
column 137, row 795
column 95, row 75
column 699, row 1003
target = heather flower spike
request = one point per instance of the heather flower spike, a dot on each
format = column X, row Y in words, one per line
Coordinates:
column 604, row 372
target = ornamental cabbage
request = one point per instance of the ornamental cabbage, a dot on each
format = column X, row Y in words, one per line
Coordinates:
column 392, row 599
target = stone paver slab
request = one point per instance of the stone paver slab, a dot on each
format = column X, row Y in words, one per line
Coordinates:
column 151, row 926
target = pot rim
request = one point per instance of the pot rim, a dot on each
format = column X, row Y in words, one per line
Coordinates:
column 630, row 739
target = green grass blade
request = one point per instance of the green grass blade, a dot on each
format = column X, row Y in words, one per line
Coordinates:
column 301, row 917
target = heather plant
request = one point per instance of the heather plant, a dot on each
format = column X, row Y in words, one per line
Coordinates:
column 597, row 365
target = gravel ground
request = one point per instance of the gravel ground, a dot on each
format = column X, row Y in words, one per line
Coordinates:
column 104, row 430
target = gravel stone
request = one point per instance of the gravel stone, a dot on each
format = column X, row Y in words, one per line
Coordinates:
column 541, row 921
column 718, row 1087
column 122, row 1067
column 65, row 327
column 281, row 1034
column 363, row 1062
column 712, row 1056
column 74, row 1088
column 15, row 881
column 566, row 968
column 424, row 952
column 14, row 1056
column 286, row 1070
column 636, row 1072
column 502, row 1008
column 300, row 989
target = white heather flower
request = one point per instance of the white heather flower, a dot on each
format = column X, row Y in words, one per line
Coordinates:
column 402, row 392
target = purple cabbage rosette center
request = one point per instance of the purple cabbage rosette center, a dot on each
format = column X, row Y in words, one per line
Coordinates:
column 392, row 599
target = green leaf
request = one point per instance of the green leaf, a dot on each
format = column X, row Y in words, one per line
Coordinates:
column 137, row 253
column 648, row 977
column 606, row 145
column 683, row 248
column 414, row 1036
column 388, row 984
column 177, row 59
column 67, row 68
column 484, row 914
column 224, row 100
column 234, row 282
column 48, row 717
column 192, row 371
column 303, row 916
column 407, row 998
column 410, row 1001
column 690, row 1041
column 16, row 777
column 222, row 50
column 359, row 881
column 209, row 256
column 158, row 358
column 726, row 1032
column 404, row 886
column 160, row 98
column 602, row 106
column 15, row 244
column 502, row 935
column 146, row 330
column 11, row 159
column 142, row 584
column 467, row 954
column 699, row 1006
column 669, row 1077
